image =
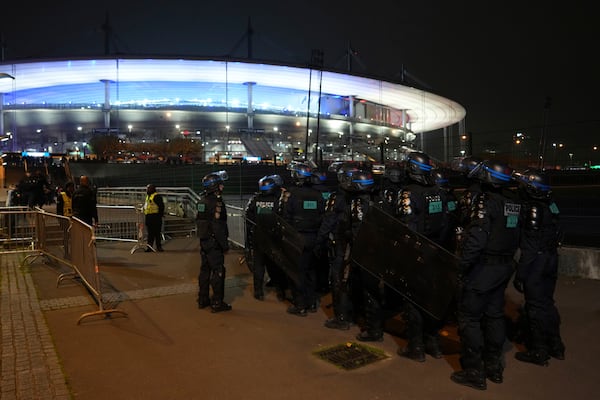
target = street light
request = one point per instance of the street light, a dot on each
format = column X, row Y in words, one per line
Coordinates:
column 14, row 141
column 556, row 146
column 571, row 159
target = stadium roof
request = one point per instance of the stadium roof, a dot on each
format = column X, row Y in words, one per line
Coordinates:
column 426, row 111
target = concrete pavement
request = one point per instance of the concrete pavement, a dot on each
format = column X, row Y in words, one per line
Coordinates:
column 166, row 348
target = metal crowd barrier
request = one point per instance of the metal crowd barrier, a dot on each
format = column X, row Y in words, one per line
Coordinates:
column 85, row 264
column 68, row 241
column 18, row 230
column 179, row 202
column 236, row 225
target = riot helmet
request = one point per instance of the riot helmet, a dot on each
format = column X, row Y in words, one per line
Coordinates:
column 418, row 167
column 301, row 173
column 212, row 181
column 493, row 172
column 318, row 178
column 440, row 178
column 270, row 184
column 356, row 180
column 467, row 164
column 535, row 183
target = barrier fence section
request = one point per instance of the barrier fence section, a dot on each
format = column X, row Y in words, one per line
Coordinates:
column 18, row 230
column 122, row 224
column 236, row 225
column 180, row 202
column 69, row 241
column 83, row 254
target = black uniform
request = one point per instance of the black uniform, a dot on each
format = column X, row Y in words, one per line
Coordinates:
column 319, row 182
column 303, row 209
column 213, row 234
column 536, row 276
column 84, row 204
column 259, row 219
column 344, row 213
column 487, row 252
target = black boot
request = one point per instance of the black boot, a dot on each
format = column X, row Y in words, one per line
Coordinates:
column 337, row 323
column 538, row 357
column 556, row 348
column 259, row 295
column 203, row 302
column 220, row 307
column 301, row 312
column 471, row 378
column 370, row 336
column 494, row 375
column 416, row 353
column 432, row 346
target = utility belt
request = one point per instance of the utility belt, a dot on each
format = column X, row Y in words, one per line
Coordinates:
column 492, row 259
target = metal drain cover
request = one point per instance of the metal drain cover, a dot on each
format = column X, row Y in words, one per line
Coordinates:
column 350, row 355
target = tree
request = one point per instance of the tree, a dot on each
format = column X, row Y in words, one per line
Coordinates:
column 104, row 145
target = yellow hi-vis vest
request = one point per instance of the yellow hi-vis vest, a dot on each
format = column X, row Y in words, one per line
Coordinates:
column 67, row 204
column 150, row 207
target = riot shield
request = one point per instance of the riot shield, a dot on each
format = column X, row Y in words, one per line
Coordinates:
column 418, row 269
column 280, row 242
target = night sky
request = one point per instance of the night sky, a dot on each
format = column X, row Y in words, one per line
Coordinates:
column 500, row 60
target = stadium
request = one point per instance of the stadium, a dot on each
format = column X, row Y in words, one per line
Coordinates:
column 216, row 110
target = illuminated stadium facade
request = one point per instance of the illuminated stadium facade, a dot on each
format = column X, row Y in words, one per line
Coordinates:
column 234, row 108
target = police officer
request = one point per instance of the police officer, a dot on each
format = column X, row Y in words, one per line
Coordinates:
column 154, row 210
column 344, row 211
column 258, row 210
column 303, row 208
column 422, row 209
column 486, row 265
column 537, row 269
column 213, row 233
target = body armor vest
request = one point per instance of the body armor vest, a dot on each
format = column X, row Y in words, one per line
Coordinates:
column 210, row 208
column 541, row 223
column 308, row 209
column 422, row 208
column 504, row 215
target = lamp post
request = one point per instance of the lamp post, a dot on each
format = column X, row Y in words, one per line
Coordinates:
column 571, row 159
column 14, row 134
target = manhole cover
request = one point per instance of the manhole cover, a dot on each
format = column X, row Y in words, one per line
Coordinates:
column 350, row 355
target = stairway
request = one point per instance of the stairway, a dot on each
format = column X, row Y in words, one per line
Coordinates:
column 257, row 147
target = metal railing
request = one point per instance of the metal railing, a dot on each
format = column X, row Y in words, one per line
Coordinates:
column 180, row 202
column 68, row 241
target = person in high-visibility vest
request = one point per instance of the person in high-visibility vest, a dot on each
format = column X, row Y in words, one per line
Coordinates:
column 64, row 201
column 64, row 207
column 154, row 210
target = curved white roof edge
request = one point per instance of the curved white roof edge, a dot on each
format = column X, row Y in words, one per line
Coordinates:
column 426, row 111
